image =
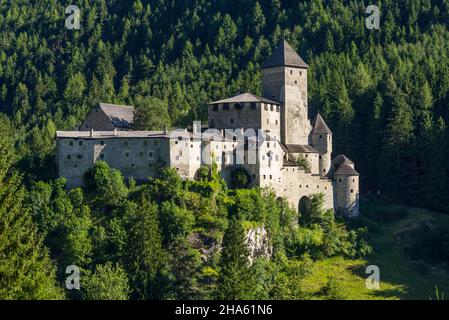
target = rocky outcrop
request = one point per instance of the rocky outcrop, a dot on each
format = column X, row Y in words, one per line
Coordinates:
column 257, row 240
column 258, row 244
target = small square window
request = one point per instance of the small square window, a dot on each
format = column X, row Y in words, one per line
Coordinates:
column 71, row 143
column 101, row 156
column 80, row 156
column 352, row 190
column 80, row 143
column 69, row 157
column 176, row 142
column 102, row 143
column 232, row 121
column 150, row 154
column 226, row 106
column 126, row 154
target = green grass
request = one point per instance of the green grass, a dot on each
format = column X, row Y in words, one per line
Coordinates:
column 401, row 278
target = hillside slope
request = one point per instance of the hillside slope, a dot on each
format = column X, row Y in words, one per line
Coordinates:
column 401, row 277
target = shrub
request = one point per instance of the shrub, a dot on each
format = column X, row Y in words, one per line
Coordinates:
column 240, row 178
column 332, row 290
column 303, row 162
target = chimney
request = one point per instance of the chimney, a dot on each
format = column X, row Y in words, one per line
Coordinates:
column 115, row 132
column 91, row 133
column 196, row 131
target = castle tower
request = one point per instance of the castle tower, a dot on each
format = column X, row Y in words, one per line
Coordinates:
column 346, row 181
column 322, row 141
column 284, row 79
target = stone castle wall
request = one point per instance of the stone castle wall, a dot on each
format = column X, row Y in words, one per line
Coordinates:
column 138, row 158
column 296, row 183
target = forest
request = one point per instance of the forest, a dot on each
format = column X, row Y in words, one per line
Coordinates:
column 384, row 93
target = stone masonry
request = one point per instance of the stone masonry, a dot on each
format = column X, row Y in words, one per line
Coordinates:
column 264, row 135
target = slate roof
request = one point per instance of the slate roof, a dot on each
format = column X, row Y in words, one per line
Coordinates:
column 284, row 55
column 346, row 170
column 120, row 116
column 290, row 163
column 246, row 97
column 296, row 148
column 110, row 134
column 320, row 126
column 343, row 166
column 341, row 158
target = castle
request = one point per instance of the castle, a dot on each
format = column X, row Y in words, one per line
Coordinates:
column 271, row 137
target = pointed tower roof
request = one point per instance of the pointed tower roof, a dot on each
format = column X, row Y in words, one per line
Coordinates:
column 284, row 55
column 245, row 97
column 320, row 125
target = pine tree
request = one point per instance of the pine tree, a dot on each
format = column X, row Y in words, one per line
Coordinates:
column 26, row 271
column 145, row 257
column 235, row 277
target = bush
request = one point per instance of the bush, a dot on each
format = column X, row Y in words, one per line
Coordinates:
column 107, row 283
column 241, row 179
column 303, row 162
column 332, row 290
column 203, row 174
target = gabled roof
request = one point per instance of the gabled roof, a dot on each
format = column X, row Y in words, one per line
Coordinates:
column 120, row 116
column 284, row 55
column 320, row 126
column 246, row 97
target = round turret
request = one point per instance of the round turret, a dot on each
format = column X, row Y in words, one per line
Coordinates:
column 322, row 141
column 346, row 187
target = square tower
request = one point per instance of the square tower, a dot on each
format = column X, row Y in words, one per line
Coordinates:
column 284, row 78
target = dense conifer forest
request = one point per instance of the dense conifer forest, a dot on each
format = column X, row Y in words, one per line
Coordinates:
column 384, row 93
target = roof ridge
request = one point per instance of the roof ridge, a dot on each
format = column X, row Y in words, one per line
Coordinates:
column 320, row 126
column 244, row 96
column 284, row 55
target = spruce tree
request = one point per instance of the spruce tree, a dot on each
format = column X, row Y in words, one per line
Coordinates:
column 145, row 256
column 235, row 278
column 26, row 271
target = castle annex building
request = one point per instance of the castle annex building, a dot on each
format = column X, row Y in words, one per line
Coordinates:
column 280, row 146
